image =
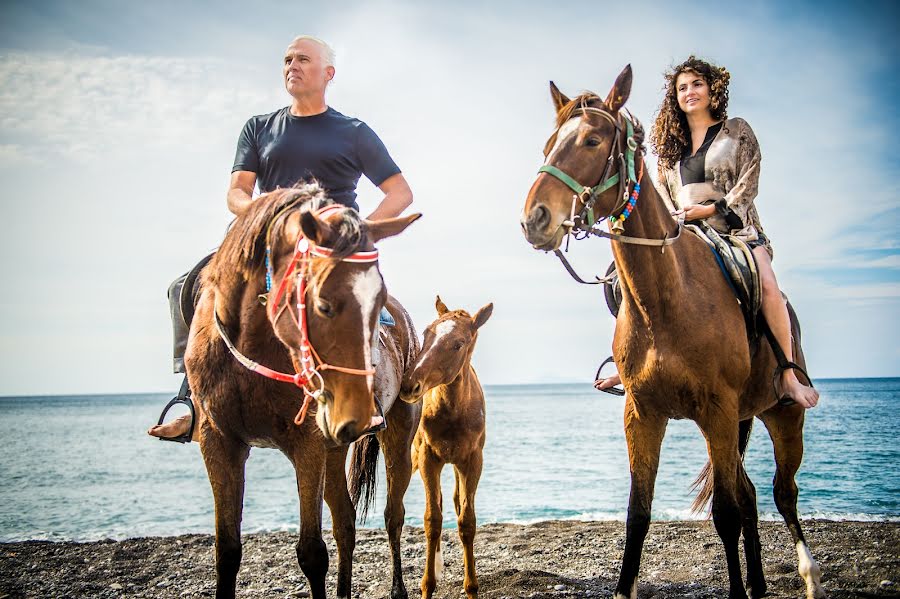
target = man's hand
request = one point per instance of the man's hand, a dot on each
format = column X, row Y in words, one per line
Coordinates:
column 397, row 198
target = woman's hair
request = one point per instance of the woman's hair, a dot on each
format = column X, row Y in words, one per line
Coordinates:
column 670, row 134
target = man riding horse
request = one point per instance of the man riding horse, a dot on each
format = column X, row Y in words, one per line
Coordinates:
column 306, row 140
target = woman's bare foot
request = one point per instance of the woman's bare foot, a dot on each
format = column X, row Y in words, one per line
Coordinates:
column 175, row 428
column 608, row 382
column 800, row 393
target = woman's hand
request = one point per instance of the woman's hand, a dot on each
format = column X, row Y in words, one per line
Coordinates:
column 695, row 212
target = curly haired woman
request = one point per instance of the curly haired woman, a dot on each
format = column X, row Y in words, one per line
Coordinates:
column 709, row 168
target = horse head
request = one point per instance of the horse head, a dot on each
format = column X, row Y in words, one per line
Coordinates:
column 446, row 350
column 325, row 256
column 582, row 159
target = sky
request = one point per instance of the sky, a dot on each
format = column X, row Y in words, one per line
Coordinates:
column 118, row 125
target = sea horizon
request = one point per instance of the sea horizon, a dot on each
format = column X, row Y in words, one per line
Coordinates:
column 84, row 468
column 486, row 386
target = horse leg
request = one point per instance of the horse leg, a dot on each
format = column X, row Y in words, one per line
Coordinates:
column 225, row 458
column 722, row 442
column 309, row 464
column 785, row 426
column 430, row 467
column 343, row 516
column 395, row 442
column 467, row 476
column 756, row 580
column 643, row 435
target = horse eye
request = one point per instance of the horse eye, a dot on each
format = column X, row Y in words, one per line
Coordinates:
column 325, row 309
column 457, row 346
column 592, row 142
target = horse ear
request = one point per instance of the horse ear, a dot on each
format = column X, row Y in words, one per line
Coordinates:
column 440, row 306
column 482, row 315
column 314, row 229
column 620, row 91
column 559, row 98
column 388, row 227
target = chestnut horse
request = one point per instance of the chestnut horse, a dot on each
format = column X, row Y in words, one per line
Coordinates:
column 681, row 345
column 451, row 432
column 319, row 255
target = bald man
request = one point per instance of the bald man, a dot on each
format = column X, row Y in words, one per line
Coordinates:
column 305, row 140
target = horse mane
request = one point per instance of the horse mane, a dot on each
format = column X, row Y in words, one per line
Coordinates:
column 241, row 256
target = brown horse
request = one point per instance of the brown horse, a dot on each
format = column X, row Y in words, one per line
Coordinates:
column 451, row 431
column 680, row 345
column 238, row 408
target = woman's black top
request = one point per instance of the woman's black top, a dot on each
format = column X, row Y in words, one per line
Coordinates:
column 693, row 170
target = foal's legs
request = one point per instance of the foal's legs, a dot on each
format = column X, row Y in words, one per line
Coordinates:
column 785, row 425
column 343, row 516
column 722, row 443
column 430, row 467
column 643, row 435
column 309, row 464
column 467, row 476
column 225, row 458
column 395, row 442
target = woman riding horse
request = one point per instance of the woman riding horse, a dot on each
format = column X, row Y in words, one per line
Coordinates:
column 709, row 165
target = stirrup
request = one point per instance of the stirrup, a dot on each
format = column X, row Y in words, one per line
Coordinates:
column 183, row 397
column 787, row 400
column 378, row 427
column 618, row 391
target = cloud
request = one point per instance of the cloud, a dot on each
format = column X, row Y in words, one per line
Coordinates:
column 82, row 107
column 460, row 98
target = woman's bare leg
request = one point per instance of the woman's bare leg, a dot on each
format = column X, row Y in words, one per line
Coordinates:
column 775, row 311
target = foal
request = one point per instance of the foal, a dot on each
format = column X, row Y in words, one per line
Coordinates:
column 451, row 431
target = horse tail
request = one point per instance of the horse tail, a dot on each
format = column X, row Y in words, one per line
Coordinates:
column 703, row 484
column 363, row 471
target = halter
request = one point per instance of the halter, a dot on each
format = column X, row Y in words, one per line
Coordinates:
column 309, row 365
column 584, row 221
column 625, row 177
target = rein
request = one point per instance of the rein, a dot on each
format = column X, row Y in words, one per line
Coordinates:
column 309, row 366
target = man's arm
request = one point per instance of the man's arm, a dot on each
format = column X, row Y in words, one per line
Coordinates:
column 397, row 198
column 240, row 192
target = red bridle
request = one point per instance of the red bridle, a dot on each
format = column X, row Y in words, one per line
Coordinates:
column 308, row 372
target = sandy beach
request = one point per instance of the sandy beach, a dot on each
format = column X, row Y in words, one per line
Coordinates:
column 547, row 559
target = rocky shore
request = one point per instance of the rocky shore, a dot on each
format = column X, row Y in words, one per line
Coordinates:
column 548, row 559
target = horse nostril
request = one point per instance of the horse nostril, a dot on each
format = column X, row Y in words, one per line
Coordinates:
column 417, row 390
column 347, row 432
column 539, row 217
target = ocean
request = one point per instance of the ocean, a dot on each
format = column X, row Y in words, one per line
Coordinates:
column 83, row 468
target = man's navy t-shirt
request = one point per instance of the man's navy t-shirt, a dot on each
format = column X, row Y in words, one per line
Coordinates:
column 283, row 149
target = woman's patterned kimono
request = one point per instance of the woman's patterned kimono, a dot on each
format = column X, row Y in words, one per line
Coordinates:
column 732, row 183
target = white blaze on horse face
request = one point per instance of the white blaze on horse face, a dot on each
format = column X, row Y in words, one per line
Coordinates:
column 366, row 287
column 810, row 572
column 568, row 129
column 442, row 329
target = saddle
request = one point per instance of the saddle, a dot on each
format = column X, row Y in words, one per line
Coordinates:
column 735, row 260
column 738, row 265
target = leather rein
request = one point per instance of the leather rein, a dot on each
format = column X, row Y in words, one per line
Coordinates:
column 584, row 223
column 309, row 365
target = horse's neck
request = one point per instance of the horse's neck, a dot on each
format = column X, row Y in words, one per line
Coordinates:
column 453, row 396
column 647, row 273
column 239, row 309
